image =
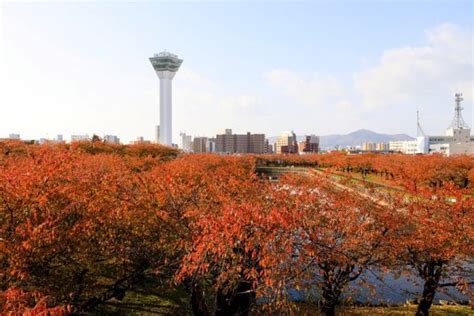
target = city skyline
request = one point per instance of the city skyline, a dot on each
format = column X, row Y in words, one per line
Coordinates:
column 278, row 76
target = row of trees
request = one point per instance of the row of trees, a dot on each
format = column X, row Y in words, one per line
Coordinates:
column 414, row 170
column 81, row 224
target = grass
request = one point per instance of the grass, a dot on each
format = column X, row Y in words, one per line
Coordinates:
column 304, row 309
column 155, row 299
column 149, row 298
column 452, row 310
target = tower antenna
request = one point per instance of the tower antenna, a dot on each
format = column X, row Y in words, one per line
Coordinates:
column 419, row 130
column 458, row 121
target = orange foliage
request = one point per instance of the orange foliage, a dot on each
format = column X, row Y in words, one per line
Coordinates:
column 72, row 224
column 407, row 170
column 83, row 223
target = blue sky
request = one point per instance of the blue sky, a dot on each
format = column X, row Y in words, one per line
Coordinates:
column 313, row 67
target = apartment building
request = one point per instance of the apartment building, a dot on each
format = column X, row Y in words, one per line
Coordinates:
column 240, row 143
column 286, row 143
column 309, row 145
column 200, row 145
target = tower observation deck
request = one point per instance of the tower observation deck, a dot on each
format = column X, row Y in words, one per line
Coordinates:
column 166, row 65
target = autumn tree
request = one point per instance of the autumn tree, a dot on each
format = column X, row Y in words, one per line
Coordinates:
column 75, row 229
column 436, row 242
column 191, row 194
column 83, row 223
column 339, row 234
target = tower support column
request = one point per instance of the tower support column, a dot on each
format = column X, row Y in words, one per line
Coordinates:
column 166, row 107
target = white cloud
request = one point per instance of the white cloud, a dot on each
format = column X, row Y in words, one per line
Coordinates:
column 241, row 102
column 203, row 106
column 399, row 81
column 411, row 75
column 344, row 105
column 307, row 91
column 198, row 91
column 202, row 93
column 191, row 77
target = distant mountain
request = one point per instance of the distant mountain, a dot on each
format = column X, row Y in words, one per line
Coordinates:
column 353, row 139
column 358, row 137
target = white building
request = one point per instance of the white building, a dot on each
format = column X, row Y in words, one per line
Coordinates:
column 186, row 142
column 166, row 65
column 404, row 146
column 111, row 139
column 211, row 145
column 157, row 134
column 78, row 138
column 14, row 136
column 59, row 139
column 368, row 146
column 458, row 139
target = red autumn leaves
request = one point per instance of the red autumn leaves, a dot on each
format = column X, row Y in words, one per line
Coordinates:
column 84, row 223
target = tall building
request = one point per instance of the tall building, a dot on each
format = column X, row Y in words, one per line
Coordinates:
column 166, row 65
column 240, row 143
column 286, row 143
column 200, row 145
column 368, row 146
column 309, row 145
column 225, row 142
column 268, row 147
column 211, row 145
column 14, row 136
column 186, row 142
column 111, row 139
column 381, row 147
column 157, row 134
column 257, row 143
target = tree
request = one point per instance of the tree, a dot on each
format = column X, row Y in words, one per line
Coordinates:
column 340, row 234
column 437, row 241
column 191, row 195
column 74, row 228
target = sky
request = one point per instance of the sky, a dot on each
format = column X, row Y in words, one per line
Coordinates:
column 315, row 67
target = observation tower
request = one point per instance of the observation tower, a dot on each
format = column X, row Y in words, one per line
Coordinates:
column 166, row 65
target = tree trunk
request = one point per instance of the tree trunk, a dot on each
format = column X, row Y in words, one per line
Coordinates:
column 330, row 300
column 429, row 291
column 198, row 301
column 329, row 310
column 237, row 302
column 335, row 278
column 431, row 275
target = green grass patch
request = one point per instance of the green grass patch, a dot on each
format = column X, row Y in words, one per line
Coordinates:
column 148, row 298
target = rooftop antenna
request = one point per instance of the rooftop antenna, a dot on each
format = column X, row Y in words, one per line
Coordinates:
column 458, row 121
column 419, row 130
